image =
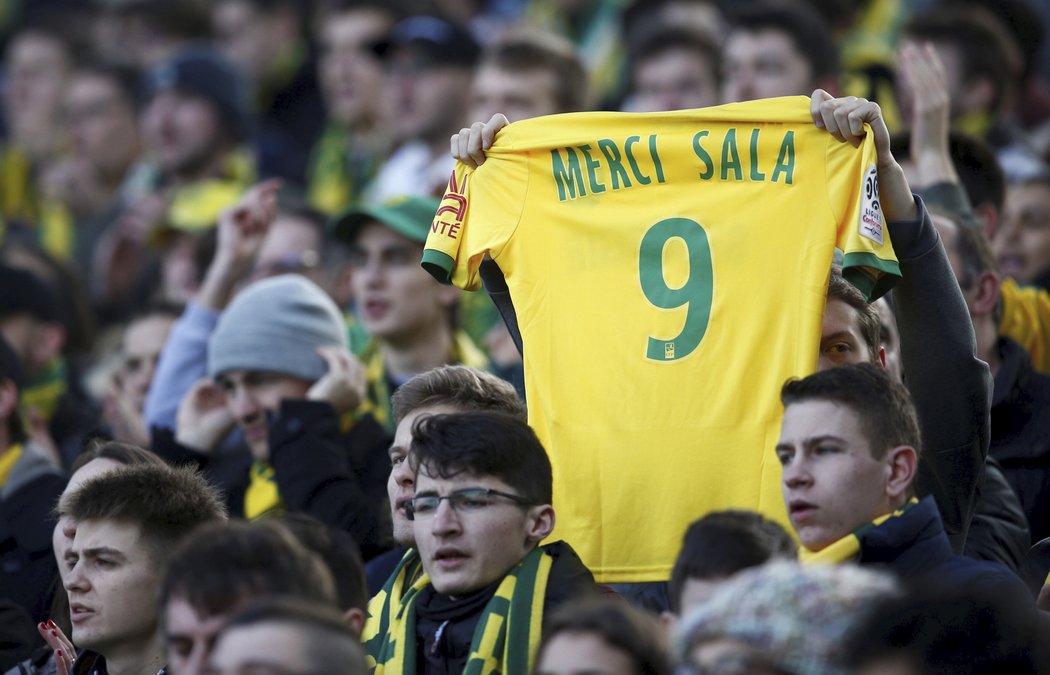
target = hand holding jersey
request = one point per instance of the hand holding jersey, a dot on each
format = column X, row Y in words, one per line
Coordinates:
column 844, row 118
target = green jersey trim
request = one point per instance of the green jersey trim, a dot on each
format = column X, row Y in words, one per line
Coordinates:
column 438, row 264
column 873, row 288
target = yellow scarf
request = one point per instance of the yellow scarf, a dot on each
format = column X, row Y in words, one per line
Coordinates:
column 848, row 548
column 262, row 500
column 8, row 461
column 505, row 640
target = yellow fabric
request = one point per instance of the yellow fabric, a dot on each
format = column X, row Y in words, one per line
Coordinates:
column 197, row 205
column 848, row 548
column 342, row 163
column 46, row 390
column 1026, row 320
column 377, row 399
column 21, row 202
column 874, row 36
column 262, row 500
column 623, row 398
column 8, row 461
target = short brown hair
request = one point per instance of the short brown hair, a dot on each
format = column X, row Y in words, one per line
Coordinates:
column 884, row 407
column 222, row 565
column 329, row 645
column 528, row 50
column 460, row 387
column 620, row 626
column 166, row 503
column 867, row 315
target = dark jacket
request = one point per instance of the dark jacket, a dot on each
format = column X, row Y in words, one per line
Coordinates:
column 26, row 522
column 338, row 478
column 1021, row 433
column 445, row 628
column 999, row 529
column 950, row 386
column 914, row 547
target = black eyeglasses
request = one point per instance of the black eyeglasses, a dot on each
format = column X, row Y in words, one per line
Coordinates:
column 461, row 501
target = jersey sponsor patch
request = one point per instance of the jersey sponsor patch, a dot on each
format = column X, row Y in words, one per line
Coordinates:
column 870, row 225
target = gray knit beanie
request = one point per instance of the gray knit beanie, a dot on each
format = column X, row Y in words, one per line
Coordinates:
column 276, row 325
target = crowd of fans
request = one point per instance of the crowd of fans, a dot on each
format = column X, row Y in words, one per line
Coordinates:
column 241, row 427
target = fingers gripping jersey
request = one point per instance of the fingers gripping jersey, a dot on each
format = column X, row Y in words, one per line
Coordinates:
column 669, row 274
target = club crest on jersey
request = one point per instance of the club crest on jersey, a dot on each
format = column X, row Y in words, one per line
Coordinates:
column 870, row 224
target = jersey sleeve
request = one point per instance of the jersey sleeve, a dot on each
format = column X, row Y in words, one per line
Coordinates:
column 477, row 217
column 868, row 260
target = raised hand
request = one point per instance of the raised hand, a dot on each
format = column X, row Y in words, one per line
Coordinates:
column 844, row 118
column 344, row 384
column 241, row 231
column 470, row 144
column 203, row 419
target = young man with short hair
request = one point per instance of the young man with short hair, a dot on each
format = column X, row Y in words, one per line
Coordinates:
column 127, row 523
column 446, row 389
column 849, row 447
column 673, row 68
column 481, row 507
column 527, row 74
column 410, row 317
column 715, row 548
column 785, row 50
column 222, row 568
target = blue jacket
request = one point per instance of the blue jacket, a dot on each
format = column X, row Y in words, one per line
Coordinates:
column 914, row 546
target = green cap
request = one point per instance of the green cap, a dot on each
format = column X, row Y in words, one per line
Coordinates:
column 408, row 216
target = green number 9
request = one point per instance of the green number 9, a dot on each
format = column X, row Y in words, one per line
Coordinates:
column 695, row 294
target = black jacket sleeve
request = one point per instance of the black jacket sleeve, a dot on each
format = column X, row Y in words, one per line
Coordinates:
column 950, row 386
column 336, row 478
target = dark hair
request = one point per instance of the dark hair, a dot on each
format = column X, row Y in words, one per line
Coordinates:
column 949, row 630
column 979, row 169
column 884, row 407
column 807, row 30
column 722, row 543
column 485, row 444
column 662, row 38
column 66, row 287
column 126, row 77
column 186, row 20
column 462, row 387
column 530, row 50
column 973, row 250
column 125, row 453
column 340, row 554
column 974, row 254
column 981, row 41
column 867, row 316
column 620, row 626
column 223, row 565
column 329, row 646
column 166, row 503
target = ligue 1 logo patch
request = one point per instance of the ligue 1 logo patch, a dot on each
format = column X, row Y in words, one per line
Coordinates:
column 870, row 225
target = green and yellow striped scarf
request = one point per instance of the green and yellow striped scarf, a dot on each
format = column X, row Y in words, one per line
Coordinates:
column 848, row 548
column 508, row 631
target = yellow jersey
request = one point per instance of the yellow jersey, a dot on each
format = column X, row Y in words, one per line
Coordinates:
column 669, row 273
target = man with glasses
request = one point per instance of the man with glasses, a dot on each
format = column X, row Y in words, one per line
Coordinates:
column 481, row 507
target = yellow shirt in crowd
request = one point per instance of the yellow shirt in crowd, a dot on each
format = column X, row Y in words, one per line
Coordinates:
column 669, row 273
